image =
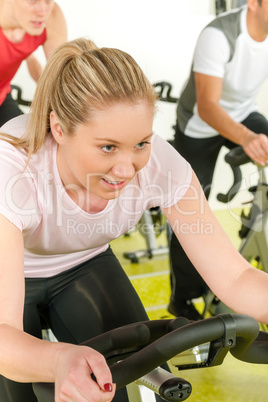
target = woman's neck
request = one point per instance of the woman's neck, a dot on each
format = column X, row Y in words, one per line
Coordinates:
column 89, row 202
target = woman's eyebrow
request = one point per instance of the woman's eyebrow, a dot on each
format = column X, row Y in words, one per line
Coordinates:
column 106, row 139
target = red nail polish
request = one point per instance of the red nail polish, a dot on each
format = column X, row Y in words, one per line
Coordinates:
column 108, row 387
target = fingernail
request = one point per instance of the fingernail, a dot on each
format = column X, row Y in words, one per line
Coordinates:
column 108, row 387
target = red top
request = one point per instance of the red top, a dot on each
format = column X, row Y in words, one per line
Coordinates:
column 11, row 56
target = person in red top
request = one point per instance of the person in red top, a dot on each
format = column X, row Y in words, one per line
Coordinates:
column 24, row 26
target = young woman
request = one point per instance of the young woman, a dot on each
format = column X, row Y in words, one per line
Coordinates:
column 24, row 26
column 79, row 171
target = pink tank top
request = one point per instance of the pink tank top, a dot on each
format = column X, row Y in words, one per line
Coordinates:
column 11, row 56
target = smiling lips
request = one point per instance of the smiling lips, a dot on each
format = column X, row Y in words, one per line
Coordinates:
column 114, row 184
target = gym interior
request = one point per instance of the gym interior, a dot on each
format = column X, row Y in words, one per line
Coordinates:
column 161, row 36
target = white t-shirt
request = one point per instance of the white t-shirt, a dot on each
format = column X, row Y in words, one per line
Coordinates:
column 226, row 50
column 58, row 234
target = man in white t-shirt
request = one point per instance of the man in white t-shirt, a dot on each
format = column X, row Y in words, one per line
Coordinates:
column 217, row 107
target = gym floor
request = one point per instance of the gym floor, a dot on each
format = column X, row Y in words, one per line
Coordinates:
column 233, row 381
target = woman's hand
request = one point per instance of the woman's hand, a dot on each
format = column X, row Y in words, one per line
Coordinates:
column 73, row 381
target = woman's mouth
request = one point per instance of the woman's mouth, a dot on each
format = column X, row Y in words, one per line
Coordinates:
column 114, row 184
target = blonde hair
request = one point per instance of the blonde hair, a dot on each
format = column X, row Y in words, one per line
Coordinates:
column 79, row 79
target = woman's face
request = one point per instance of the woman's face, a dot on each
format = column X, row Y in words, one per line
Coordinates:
column 103, row 156
column 32, row 15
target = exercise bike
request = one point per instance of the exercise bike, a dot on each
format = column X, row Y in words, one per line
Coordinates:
column 254, row 224
column 135, row 352
column 254, row 229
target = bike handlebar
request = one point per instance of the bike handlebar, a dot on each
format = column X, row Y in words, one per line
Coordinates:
column 140, row 348
column 163, row 89
column 235, row 158
column 19, row 98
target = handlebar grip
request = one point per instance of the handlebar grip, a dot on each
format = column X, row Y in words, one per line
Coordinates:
column 163, row 90
column 177, row 341
column 133, row 335
column 256, row 352
column 128, row 336
column 231, row 193
column 237, row 157
column 163, row 349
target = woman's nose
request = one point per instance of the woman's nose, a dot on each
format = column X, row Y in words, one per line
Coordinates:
column 124, row 169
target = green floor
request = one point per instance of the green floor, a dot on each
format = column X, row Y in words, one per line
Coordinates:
column 233, row 381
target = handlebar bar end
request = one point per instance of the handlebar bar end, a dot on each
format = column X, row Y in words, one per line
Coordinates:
column 175, row 390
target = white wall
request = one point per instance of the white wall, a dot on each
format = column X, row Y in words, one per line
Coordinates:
column 161, row 36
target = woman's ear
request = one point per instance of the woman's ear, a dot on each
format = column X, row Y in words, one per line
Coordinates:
column 56, row 128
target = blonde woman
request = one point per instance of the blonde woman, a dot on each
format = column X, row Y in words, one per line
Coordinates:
column 78, row 172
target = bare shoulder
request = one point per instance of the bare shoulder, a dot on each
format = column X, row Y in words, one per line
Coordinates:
column 56, row 15
column 56, row 30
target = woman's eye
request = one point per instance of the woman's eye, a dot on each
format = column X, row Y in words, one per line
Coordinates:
column 108, row 148
column 142, row 145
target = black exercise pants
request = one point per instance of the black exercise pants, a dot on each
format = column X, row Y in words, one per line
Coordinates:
column 79, row 304
column 202, row 154
column 9, row 109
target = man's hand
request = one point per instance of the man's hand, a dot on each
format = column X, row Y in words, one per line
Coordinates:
column 256, row 147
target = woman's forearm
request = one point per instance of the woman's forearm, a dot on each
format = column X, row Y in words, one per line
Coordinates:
column 253, row 283
column 25, row 358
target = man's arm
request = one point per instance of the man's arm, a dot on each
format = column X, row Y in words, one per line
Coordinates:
column 56, row 30
column 208, row 93
column 56, row 35
column 34, row 67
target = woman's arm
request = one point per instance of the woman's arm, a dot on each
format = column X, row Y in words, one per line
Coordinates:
column 227, row 273
column 25, row 358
